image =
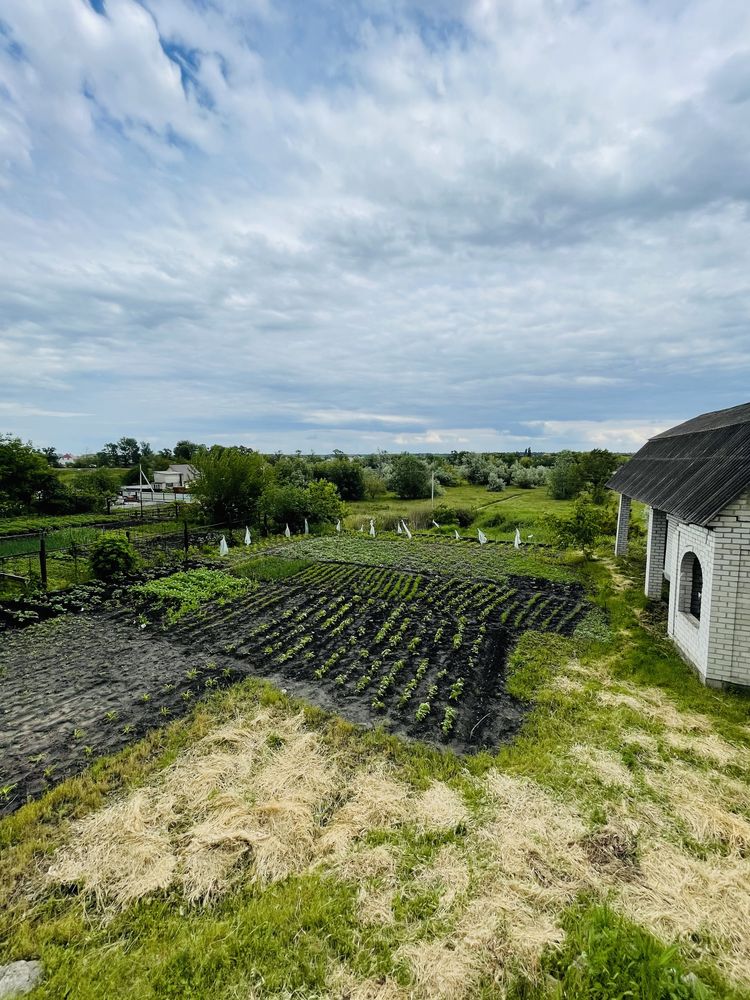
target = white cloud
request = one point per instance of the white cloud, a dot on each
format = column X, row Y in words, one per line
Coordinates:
column 375, row 230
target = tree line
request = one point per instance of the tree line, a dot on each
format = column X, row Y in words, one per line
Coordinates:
column 278, row 489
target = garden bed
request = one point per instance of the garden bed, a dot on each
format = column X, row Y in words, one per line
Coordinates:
column 421, row 654
column 78, row 687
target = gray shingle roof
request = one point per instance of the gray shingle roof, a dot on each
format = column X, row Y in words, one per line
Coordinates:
column 693, row 470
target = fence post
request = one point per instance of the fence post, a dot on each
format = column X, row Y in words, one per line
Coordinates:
column 185, row 540
column 43, row 559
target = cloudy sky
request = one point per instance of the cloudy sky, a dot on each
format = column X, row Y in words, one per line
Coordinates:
column 406, row 224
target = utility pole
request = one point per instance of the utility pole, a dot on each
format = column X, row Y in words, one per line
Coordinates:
column 140, row 486
column 433, row 491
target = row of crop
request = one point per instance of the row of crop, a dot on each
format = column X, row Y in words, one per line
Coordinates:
column 418, row 555
column 374, row 580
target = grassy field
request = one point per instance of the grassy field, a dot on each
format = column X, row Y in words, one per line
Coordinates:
column 67, row 476
column 262, row 848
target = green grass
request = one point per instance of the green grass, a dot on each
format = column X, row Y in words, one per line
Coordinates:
column 606, row 957
column 270, row 568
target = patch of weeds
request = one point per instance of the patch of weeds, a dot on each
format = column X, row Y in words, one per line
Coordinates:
column 606, row 957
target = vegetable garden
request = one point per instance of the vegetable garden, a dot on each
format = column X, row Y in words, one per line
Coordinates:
column 404, row 636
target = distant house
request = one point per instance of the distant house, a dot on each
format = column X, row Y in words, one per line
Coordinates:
column 67, row 458
column 175, row 477
column 695, row 479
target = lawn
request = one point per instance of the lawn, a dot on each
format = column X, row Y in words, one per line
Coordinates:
column 516, row 507
column 259, row 845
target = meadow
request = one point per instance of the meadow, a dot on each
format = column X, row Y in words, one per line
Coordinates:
column 361, row 767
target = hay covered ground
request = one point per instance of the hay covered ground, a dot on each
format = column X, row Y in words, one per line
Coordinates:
column 262, row 848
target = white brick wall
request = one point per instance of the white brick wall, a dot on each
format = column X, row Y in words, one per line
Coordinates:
column 691, row 636
column 719, row 644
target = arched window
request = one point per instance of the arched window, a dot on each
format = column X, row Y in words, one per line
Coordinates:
column 696, row 590
column 691, row 585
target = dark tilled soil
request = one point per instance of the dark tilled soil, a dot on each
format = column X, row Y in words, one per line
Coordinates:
column 80, row 686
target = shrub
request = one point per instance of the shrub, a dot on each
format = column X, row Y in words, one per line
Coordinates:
column 111, row 557
column 462, row 516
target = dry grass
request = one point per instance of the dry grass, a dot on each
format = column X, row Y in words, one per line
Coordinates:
column 655, row 706
column 250, row 793
column 263, row 797
column 249, row 799
column 704, row 903
column 606, row 765
column 344, row 985
column 711, row 747
column 703, row 802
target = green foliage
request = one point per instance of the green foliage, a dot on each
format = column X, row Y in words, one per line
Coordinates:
column 374, row 484
column 462, row 516
column 229, row 483
column 585, row 525
column 99, row 484
column 565, row 477
column 111, row 557
column 410, row 477
column 597, row 467
column 271, row 568
column 25, row 475
column 183, row 593
column 184, row 451
column 319, row 502
column 605, row 957
column 346, row 475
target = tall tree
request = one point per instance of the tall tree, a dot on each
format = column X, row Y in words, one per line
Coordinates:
column 410, row 478
column 24, row 473
column 229, row 483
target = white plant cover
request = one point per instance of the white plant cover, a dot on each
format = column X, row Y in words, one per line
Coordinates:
column 517, row 539
column 307, row 530
column 338, row 526
column 223, row 547
column 248, row 537
column 372, row 528
column 398, row 528
column 458, row 537
column 481, row 536
column 287, row 532
column 436, row 524
column 406, row 530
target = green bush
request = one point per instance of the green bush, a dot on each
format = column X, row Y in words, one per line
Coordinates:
column 462, row 516
column 111, row 557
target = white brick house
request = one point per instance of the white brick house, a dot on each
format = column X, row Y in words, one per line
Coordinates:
column 695, row 480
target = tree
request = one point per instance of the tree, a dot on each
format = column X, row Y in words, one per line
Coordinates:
column 410, row 478
column 185, row 450
column 53, row 459
column 283, row 503
column 347, row 476
column 374, row 484
column 323, row 502
column 24, row 473
column 128, row 451
column 582, row 529
column 100, row 485
column 229, row 483
column 565, row 477
column 597, row 467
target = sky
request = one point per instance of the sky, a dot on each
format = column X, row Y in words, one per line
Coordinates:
column 359, row 224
